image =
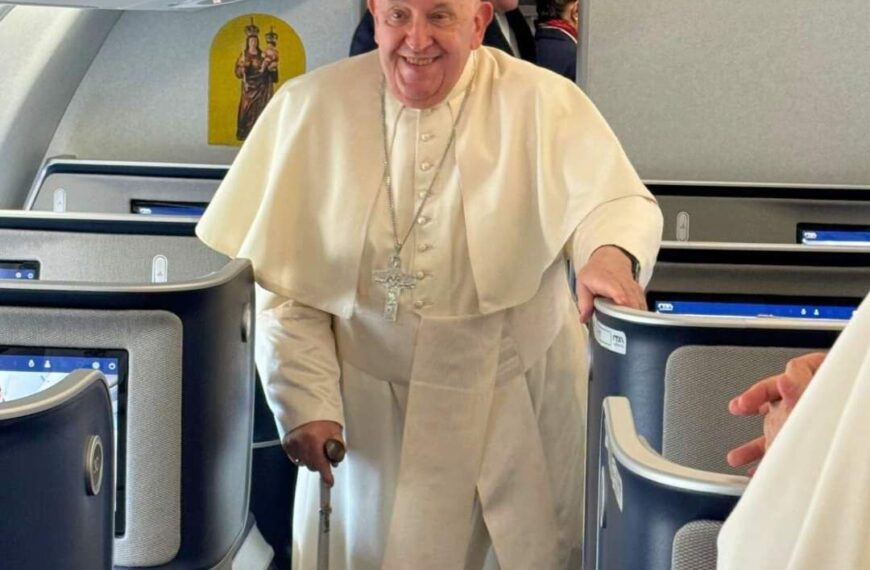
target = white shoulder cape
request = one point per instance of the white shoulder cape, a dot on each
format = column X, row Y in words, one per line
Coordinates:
column 535, row 158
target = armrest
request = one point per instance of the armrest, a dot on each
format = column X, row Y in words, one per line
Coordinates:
column 635, row 455
column 73, row 384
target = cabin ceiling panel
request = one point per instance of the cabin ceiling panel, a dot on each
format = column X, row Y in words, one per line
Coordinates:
column 40, row 72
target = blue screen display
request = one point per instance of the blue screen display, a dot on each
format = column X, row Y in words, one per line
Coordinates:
column 169, row 209
column 835, row 237
column 23, row 375
column 26, row 270
column 754, row 310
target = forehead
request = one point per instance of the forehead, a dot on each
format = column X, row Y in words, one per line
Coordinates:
column 427, row 5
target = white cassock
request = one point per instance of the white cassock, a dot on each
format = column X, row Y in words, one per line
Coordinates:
column 808, row 506
column 465, row 418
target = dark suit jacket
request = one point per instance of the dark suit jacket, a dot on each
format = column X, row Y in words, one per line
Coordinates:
column 364, row 36
column 557, row 52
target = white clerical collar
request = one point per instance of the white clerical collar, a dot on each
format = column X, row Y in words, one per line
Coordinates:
column 507, row 32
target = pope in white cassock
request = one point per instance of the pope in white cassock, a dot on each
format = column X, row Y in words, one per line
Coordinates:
column 408, row 214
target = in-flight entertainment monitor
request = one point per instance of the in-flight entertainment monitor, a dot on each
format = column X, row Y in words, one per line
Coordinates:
column 752, row 306
column 833, row 234
column 167, row 208
column 24, row 270
column 27, row 370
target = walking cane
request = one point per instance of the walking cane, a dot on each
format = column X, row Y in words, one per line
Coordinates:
column 334, row 451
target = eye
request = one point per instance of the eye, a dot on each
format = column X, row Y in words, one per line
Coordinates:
column 396, row 16
column 441, row 18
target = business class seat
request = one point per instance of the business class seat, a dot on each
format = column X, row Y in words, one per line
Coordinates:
column 56, row 460
column 679, row 371
column 761, row 213
column 106, row 248
column 112, row 187
column 653, row 513
column 125, row 248
column 184, row 466
column 678, row 374
column 773, row 270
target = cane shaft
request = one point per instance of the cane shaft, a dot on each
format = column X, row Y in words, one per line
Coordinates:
column 323, row 535
column 334, row 451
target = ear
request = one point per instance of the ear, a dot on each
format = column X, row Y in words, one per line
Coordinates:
column 370, row 4
column 482, row 18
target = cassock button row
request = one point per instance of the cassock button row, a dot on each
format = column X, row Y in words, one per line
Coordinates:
column 419, row 304
column 420, row 275
column 425, row 166
column 422, row 220
column 424, row 247
column 426, row 137
column 422, row 194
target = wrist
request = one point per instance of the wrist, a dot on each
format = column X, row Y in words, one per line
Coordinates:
column 633, row 264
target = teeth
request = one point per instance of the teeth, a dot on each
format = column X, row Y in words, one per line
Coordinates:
column 419, row 60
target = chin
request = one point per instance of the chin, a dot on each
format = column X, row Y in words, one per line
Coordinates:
column 419, row 95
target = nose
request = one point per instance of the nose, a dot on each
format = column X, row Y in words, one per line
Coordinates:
column 418, row 36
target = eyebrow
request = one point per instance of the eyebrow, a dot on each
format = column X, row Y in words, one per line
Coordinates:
column 437, row 6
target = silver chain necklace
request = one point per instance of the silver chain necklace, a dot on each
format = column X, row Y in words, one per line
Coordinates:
column 393, row 279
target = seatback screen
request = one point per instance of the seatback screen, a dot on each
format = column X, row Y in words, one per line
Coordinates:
column 21, row 270
column 817, row 234
column 168, row 208
column 752, row 307
column 27, row 370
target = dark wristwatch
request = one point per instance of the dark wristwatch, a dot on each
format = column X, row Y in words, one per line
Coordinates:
column 635, row 264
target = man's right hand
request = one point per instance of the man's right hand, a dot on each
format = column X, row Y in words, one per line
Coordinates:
column 304, row 446
column 774, row 398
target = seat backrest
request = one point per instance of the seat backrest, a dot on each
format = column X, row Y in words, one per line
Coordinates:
column 56, row 460
column 184, row 466
column 697, row 428
column 695, row 546
column 630, row 357
column 119, row 249
column 757, row 213
column 68, row 185
column 769, row 271
column 653, row 513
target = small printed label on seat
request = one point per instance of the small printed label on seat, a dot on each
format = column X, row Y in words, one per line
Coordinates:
column 611, row 339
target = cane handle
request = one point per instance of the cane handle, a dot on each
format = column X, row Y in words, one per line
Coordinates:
column 334, row 451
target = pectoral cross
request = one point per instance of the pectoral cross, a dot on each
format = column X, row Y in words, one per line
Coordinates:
column 394, row 282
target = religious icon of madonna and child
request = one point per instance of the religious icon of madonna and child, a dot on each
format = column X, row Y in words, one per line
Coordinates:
column 257, row 69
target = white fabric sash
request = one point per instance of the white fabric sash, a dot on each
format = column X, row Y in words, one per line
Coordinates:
column 471, row 429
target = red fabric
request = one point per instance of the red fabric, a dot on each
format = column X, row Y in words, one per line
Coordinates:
column 561, row 24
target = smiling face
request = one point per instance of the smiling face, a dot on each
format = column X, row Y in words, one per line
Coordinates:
column 423, row 45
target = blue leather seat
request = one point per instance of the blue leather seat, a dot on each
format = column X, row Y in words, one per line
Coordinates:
column 189, row 407
column 56, row 492
column 653, row 513
column 679, row 373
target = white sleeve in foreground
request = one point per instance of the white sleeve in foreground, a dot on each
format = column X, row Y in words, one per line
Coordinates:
column 808, row 505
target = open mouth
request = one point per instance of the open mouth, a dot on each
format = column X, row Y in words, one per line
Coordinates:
column 419, row 61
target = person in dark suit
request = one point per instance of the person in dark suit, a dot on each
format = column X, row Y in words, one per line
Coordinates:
column 556, row 36
column 507, row 16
